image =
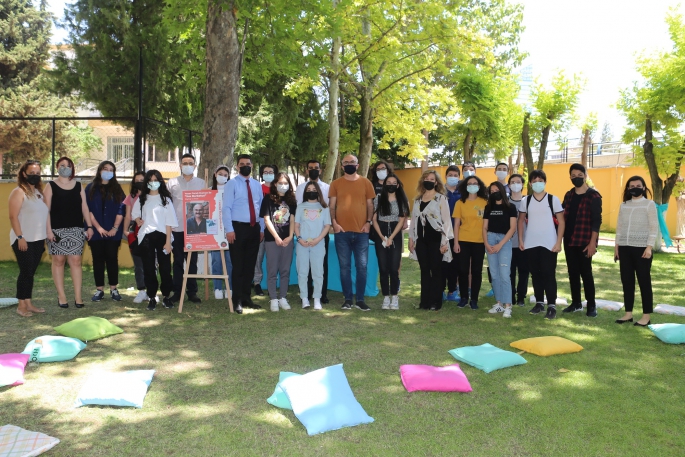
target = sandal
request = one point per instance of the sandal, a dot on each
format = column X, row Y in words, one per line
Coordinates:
column 62, row 305
column 24, row 313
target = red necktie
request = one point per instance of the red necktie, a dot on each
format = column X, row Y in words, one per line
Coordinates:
column 253, row 217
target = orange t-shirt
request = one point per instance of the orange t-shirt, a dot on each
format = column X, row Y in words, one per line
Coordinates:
column 350, row 206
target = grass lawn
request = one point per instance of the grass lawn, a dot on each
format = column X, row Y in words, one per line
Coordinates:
column 623, row 395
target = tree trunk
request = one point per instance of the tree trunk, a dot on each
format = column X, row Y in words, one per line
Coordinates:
column 333, row 94
column 222, row 95
column 467, row 146
column 648, row 149
column 527, row 151
column 586, row 147
column 680, row 225
column 518, row 158
column 365, row 133
column 424, row 162
column 543, row 146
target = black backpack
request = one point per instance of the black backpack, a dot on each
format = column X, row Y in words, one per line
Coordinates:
column 551, row 208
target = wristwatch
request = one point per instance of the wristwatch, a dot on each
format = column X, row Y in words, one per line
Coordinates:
column 20, row 237
column 368, row 222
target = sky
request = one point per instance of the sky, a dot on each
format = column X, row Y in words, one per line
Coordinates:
column 597, row 39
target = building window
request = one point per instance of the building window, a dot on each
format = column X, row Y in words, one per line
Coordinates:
column 119, row 148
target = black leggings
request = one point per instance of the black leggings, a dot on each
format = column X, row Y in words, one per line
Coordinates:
column 389, row 260
column 470, row 260
column 28, row 262
column 632, row 264
column 430, row 262
column 154, row 251
column 543, row 269
column 580, row 266
column 105, row 252
column 519, row 262
column 450, row 271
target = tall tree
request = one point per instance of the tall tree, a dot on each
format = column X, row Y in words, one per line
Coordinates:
column 588, row 128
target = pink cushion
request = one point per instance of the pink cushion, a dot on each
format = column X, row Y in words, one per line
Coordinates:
column 434, row 379
column 12, row 369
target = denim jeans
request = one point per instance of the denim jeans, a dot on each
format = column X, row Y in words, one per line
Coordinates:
column 500, row 268
column 348, row 244
column 217, row 269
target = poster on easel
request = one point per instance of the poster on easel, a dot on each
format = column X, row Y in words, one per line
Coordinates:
column 203, row 225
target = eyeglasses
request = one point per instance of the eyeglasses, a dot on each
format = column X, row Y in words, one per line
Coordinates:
column 349, row 163
column 314, row 168
column 381, row 169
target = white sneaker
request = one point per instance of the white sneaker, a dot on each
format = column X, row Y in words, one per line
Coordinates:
column 496, row 308
column 386, row 303
column 274, row 305
column 395, row 302
column 317, row 304
column 284, row 304
column 218, row 294
column 305, row 303
column 141, row 297
column 507, row 312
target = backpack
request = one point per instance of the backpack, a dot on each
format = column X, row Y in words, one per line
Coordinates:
column 551, row 208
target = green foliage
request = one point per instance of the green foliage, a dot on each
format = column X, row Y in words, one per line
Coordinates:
column 590, row 124
column 554, row 105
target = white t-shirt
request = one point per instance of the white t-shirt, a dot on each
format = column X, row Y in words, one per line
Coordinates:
column 299, row 192
column 176, row 187
column 156, row 217
column 540, row 230
column 518, row 204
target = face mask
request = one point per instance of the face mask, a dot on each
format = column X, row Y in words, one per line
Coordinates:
column 392, row 188
column 635, row 191
column 495, row 196
column 187, row 170
column 538, row 187
column 313, row 175
column 33, row 179
column 578, row 182
column 138, row 186
column 106, row 175
column 245, row 170
column 267, row 177
column 428, row 185
column 311, row 195
column 221, row 179
column 382, row 174
column 501, row 174
column 350, row 169
column 282, row 188
column 65, row 172
column 516, row 187
column 153, row 185
column 472, row 189
column 452, row 181
column 469, row 173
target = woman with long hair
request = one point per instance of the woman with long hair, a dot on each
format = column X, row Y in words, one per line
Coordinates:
column 278, row 210
column 431, row 230
column 155, row 216
column 131, row 232
column 66, row 201
column 636, row 232
column 219, row 179
column 391, row 209
column 29, row 218
column 105, row 199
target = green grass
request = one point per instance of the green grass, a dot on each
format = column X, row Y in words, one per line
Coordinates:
column 622, row 396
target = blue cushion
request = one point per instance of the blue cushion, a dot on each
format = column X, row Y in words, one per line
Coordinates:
column 54, row 348
column 669, row 333
column 116, row 389
column 279, row 398
column 487, row 357
column 322, row 400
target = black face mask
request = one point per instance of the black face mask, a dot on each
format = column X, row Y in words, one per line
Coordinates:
column 428, row 185
column 33, row 179
column 313, row 175
column 578, row 182
column 139, row 186
column 350, row 169
column 495, row 196
column 245, row 170
column 392, row 188
column 311, row 195
column 636, row 191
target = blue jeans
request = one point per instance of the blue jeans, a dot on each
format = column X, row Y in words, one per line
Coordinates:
column 500, row 268
column 348, row 244
column 217, row 269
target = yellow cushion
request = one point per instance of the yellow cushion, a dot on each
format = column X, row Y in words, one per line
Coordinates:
column 547, row 345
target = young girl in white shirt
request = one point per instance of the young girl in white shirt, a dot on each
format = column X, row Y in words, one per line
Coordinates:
column 154, row 213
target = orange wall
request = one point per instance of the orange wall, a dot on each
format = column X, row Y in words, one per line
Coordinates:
column 608, row 181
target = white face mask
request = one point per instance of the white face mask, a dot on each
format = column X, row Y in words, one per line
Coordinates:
column 221, row 179
column 382, row 174
column 187, row 170
column 501, row 174
column 282, row 188
column 469, row 173
column 538, row 187
column 516, row 187
column 268, row 177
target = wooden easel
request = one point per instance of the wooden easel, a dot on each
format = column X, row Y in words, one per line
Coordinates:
column 206, row 277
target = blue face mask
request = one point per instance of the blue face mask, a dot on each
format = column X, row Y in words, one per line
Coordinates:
column 469, row 173
column 472, row 189
column 538, row 187
column 106, row 175
column 452, row 181
column 153, row 185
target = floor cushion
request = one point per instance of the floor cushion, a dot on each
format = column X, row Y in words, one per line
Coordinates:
column 434, row 379
column 88, row 328
column 54, row 348
column 560, row 301
column 607, row 305
column 7, row 302
column 670, row 309
column 12, row 369
column 323, row 400
column 547, row 345
column 487, row 357
column 279, row 398
column 116, row 389
column 669, row 333
column 16, row 442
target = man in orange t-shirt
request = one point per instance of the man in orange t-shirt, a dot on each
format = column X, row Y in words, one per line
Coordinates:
column 351, row 205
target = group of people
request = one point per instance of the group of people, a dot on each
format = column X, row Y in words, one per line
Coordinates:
column 453, row 226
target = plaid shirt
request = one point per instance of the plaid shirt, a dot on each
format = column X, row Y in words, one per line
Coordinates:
column 588, row 218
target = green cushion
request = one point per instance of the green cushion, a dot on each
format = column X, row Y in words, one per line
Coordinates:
column 279, row 398
column 487, row 357
column 669, row 333
column 88, row 328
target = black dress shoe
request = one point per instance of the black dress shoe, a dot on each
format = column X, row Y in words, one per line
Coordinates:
column 78, row 305
column 238, row 308
column 620, row 321
column 251, row 304
column 63, row 305
column 174, row 298
column 194, row 298
column 325, row 300
column 643, row 325
column 258, row 290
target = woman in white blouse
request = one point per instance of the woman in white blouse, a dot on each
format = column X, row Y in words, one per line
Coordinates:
column 636, row 233
column 431, row 230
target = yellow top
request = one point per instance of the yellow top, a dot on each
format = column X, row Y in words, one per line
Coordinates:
column 470, row 213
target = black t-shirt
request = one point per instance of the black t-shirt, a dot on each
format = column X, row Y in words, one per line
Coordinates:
column 280, row 217
column 499, row 217
column 377, row 187
column 571, row 219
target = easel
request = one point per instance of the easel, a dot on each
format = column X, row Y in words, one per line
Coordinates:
column 206, row 277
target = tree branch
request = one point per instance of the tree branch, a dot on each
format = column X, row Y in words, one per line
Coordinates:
column 392, row 83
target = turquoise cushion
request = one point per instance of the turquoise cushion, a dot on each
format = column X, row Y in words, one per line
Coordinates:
column 54, row 348
column 279, row 398
column 323, row 400
column 487, row 357
column 669, row 333
column 88, row 328
column 116, row 389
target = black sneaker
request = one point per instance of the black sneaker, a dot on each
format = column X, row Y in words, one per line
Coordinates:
column 538, row 308
column 325, row 300
column 474, row 304
column 347, row 305
column 361, row 305
column 152, row 305
column 174, row 298
column 551, row 312
column 592, row 312
column 194, row 298
column 521, row 303
column 115, row 295
column 168, row 304
column 572, row 308
column 258, row 290
column 463, row 302
column 99, row 295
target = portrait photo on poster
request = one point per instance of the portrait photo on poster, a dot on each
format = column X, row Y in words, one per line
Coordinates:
column 203, row 225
